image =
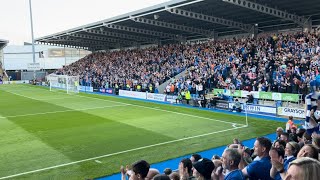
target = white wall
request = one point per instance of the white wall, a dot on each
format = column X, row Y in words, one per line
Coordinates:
column 18, row 57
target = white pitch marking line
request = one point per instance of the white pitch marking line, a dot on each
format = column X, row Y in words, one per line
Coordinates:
column 48, row 99
column 70, row 110
column 210, row 119
column 39, row 99
column 117, row 153
column 157, row 109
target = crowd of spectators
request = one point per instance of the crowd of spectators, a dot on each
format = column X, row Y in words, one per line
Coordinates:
column 283, row 62
column 294, row 154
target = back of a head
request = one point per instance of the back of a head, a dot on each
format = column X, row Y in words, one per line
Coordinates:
column 310, row 168
column 265, row 142
column 300, row 132
column 141, row 167
column 174, row 176
column 285, row 134
column 307, row 136
column 161, row 177
column 196, row 157
column 167, row 171
column 152, row 173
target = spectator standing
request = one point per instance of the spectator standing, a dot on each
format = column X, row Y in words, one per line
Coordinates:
column 289, row 124
column 260, row 169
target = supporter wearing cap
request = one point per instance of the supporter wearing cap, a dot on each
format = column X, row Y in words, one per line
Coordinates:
column 203, row 168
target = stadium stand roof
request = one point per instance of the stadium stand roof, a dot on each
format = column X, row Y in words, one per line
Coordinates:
column 3, row 43
column 181, row 20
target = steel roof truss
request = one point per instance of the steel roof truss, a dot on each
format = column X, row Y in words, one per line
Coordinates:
column 212, row 19
column 270, row 11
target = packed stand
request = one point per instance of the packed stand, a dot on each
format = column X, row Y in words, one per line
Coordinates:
column 141, row 69
column 286, row 63
column 273, row 62
column 294, row 154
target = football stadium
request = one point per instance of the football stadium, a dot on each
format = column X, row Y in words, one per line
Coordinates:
column 187, row 89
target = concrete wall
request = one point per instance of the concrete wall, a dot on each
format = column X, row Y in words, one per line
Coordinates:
column 49, row 57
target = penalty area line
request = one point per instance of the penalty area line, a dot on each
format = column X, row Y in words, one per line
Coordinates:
column 117, row 153
column 69, row 110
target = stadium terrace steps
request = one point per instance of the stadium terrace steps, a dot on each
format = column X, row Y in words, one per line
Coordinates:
column 162, row 87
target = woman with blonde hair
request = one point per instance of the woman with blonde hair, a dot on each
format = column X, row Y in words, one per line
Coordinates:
column 303, row 168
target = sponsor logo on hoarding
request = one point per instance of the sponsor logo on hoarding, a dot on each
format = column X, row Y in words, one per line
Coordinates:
column 298, row 111
column 295, row 112
column 276, row 96
column 85, row 88
column 223, row 105
column 156, row 97
column 263, row 109
column 133, row 94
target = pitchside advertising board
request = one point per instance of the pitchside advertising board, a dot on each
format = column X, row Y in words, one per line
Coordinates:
column 106, row 90
column 156, row 97
column 257, row 109
column 143, row 95
column 133, row 94
column 171, row 98
column 295, row 112
column 86, row 88
column 260, row 109
column 222, row 105
column 16, row 82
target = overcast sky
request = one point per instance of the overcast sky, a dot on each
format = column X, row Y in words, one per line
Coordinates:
column 52, row 16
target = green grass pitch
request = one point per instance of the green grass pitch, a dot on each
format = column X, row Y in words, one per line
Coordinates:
column 52, row 135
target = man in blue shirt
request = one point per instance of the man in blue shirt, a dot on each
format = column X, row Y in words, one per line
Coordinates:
column 260, row 169
column 230, row 162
